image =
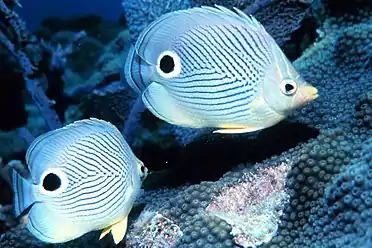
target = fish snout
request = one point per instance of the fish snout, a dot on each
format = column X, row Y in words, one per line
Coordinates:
column 306, row 93
column 146, row 172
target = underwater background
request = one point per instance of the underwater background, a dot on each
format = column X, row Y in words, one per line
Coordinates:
column 34, row 12
column 305, row 182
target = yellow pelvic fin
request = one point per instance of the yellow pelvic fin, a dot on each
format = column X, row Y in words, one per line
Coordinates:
column 227, row 128
column 105, row 232
column 119, row 229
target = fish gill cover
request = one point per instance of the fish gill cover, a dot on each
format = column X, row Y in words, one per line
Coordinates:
column 71, row 69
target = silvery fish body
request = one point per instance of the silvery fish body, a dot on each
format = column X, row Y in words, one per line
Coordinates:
column 213, row 67
column 83, row 177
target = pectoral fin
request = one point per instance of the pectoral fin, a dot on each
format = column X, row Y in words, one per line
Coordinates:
column 164, row 106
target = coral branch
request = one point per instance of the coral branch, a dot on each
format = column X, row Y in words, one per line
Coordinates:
column 43, row 103
column 25, row 49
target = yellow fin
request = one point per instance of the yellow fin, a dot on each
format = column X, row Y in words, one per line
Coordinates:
column 226, row 128
column 119, row 229
column 105, row 232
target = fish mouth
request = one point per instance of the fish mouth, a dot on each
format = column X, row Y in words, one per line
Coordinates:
column 309, row 92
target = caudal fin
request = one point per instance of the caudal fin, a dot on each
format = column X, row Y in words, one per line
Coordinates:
column 22, row 193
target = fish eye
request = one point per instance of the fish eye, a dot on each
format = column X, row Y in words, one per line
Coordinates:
column 51, row 182
column 143, row 169
column 168, row 65
column 288, row 87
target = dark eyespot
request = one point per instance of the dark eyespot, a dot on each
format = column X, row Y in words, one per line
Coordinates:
column 51, row 182
column 289, row 87
column 143, row 170
column 167, row 64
